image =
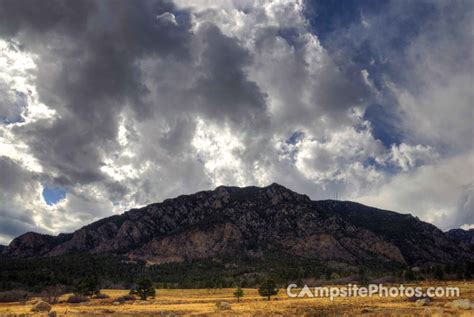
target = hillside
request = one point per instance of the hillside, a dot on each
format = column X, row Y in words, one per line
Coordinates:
column 463, row 237
column 250, row 222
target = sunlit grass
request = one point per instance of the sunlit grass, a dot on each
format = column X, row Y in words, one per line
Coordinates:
column 202, row 302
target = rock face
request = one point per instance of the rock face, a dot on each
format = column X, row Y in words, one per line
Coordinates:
column 250, row 221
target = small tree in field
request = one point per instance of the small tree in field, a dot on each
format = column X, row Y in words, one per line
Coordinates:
column 88, row 286
column 238, row 293
column 52, row 293
column 268, row 288
column 144, row 289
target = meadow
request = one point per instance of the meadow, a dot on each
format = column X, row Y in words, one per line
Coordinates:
column 202, row 302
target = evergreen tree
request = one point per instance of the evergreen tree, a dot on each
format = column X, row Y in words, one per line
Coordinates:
column 144, row 289
column 268, row 288
column 88, row 286
column 238, row 293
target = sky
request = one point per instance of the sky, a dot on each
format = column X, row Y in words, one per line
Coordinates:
column 107, row 105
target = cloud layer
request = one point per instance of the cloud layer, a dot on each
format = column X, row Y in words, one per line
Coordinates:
column 125, row 104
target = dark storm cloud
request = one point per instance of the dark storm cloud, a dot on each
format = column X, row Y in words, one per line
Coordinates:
column 340, row 88
column 15, row 185
column 13, row 223
column 14, row 180
column 88, row 72
column 223, row 87
column 16, row 16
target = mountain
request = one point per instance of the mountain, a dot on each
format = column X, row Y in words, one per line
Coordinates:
column 252, row 222
column 463, row 237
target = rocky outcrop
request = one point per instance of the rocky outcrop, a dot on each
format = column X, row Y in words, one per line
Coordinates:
column 194, row 244
column 248, row 222
column 31, row 244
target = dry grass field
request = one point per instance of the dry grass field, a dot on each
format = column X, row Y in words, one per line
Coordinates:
column 202, row 302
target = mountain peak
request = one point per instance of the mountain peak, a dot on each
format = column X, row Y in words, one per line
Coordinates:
column 279, row 188
column 276, row 185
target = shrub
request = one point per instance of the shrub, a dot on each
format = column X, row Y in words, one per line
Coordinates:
column 76, row 299
column 125, row 298
column 89, row 286
column 144, row 289
column 13, row 296
column 102, row 296
column 334, row 276
column 51, row 293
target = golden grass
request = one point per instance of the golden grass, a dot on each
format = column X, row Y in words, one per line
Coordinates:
column 201, row 302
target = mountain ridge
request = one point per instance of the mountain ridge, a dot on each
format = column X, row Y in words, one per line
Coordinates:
column 251, row 221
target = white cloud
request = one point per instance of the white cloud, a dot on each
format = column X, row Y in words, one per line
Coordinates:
column 218, row 149
column 440, row 193
column 408, row 157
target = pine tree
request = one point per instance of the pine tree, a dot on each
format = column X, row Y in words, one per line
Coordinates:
column 144, row 289
column 88, row 286
column 238, row 293
column 267, row 289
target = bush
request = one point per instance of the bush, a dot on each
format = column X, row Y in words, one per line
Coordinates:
column 144, row 289
column 52, row 293
column 76, row 299
column 89, row 286
column 13, row 296
column 102, row 296
column 334, row 276
column 125, row 298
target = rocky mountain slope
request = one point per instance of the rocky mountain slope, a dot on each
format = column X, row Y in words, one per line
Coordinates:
column 252, row 221
column 464, row 237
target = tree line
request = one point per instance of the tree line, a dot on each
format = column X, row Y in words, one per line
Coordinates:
column 112, row 271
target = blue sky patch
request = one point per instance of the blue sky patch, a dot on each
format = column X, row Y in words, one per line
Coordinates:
column 53, row 195
column 385, row 122
column 295, row 137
